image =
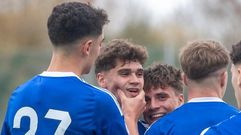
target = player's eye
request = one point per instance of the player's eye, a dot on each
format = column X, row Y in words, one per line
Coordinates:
column 147, row 99
column 124, row 72
column 162, row 97
column 140, row 73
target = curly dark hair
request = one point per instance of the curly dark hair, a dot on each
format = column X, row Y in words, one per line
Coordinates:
column 199, row 59
column 162, row 76
column 236, row 53
column 119, row 49
column 72, row 21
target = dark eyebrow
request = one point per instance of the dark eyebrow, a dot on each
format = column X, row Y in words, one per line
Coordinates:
column 124, row 69
column 161, row 94
column 140, row 69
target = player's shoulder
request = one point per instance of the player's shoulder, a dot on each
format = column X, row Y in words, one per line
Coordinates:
column 99, row 92
column 231, row 107
column 175, row 114
column 161, row 126
column 104, row 92
column 108, row 97
column 229, row 123
column 20, row 88
column 227, row 126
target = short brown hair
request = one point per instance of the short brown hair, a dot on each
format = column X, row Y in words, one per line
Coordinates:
column 119, row 49
column 201, row 58
column 162, row 76
column 236, row 53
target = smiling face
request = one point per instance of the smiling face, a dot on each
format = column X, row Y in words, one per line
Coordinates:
column 159, row 102
column 127, row 76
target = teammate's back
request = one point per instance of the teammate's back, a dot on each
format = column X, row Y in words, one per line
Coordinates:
column 63, row 102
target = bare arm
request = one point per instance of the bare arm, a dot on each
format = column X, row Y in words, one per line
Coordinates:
column 132, row 108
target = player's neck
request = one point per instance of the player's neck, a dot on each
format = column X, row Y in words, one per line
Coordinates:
column 203, row 92
column 65, row 64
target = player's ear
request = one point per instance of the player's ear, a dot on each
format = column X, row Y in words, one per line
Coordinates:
column 239, row 77
column 185, row 79
column 86, row 46
column 101, row 80
column 181, row 99
column 224, row 77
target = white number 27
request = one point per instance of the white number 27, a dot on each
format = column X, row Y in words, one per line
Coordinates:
column 63, row 116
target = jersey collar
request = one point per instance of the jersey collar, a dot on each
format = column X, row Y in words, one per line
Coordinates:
column 205, row 99
column 60, row 74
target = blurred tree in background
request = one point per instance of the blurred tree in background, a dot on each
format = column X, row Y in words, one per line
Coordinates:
column 26, row 50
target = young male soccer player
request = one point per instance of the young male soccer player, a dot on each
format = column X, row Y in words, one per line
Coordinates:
column 204, row 64
column 163, row 91
column 231, row 126
column 58, row 101
column 120, row 67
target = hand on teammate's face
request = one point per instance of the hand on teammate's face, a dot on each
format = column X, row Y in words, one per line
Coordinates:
column 132, row 107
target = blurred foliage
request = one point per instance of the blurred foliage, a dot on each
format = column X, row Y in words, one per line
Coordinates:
column 216, row 19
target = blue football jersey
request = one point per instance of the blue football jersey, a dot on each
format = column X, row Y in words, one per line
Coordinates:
column 141, row 127
column 230, row 126
column 191, row 118
column 55, row 103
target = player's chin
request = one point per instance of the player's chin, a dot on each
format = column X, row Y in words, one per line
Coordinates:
column 131, row 94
